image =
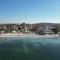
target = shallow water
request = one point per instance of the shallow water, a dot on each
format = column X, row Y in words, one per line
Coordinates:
column 29, row 49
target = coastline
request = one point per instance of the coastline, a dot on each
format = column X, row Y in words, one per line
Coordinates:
column 29, row 35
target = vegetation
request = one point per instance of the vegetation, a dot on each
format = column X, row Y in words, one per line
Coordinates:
column 41, row 33
column 55, row 30
column 34, row 28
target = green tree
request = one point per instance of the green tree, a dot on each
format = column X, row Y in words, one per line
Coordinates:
column 41, row 32
column 55, row 30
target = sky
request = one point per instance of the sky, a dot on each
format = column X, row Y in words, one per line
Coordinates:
column 30, row 11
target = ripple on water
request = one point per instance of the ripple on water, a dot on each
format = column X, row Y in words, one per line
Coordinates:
column 29, row 49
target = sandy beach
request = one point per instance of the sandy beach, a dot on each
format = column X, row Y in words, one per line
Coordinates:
column 28, row 35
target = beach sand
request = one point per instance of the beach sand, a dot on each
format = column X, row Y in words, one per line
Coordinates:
column 29, row 35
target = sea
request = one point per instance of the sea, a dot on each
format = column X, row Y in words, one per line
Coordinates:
column 18, row 48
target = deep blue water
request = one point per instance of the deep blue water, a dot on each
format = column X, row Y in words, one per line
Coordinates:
column 29, row 49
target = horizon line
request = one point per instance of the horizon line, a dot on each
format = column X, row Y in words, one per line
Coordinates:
column 31, row 23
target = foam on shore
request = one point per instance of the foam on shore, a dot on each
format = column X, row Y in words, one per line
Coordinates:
column 29, row 35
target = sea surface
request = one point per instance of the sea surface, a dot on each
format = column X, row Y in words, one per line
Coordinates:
column 29, row 48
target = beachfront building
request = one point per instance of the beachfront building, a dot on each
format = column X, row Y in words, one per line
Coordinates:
column 44, row 29
column 29, row 28
column 48, row 29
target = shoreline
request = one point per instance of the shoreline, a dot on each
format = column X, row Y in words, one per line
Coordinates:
column 29, row 35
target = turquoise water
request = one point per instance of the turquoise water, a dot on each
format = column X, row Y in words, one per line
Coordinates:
column 29, row 49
